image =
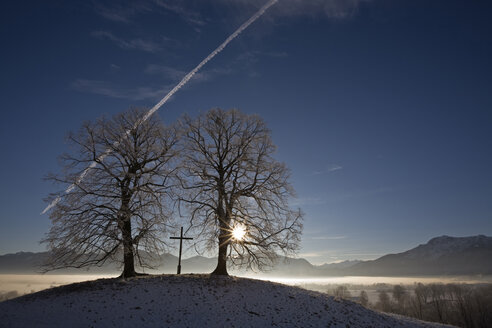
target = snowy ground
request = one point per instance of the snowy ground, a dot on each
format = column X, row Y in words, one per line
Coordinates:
column 189, row 301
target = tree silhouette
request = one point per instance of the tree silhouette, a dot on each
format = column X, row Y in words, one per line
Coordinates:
column 118, row 210
column 363, row 298
column 231, row 181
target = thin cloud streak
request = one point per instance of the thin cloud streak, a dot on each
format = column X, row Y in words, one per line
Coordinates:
column 107, row 89
column 334, row 168
column 333, row 9
column 329, row 237
column 306, row 201
column 137, row 44
column 329, row 169
column 120, row 13
column 124, row 12
column 177, row 7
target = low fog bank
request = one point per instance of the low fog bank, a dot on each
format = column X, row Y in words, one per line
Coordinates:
column 14, row 285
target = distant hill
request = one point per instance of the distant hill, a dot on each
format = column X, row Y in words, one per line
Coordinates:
column 21, row 262
column 440, row 256
column 30, row 263
column 339, row 265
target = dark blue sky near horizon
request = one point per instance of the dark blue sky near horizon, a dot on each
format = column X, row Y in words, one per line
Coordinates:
column 382, row 109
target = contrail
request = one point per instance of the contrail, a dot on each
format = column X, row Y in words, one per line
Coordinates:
column 181, row 83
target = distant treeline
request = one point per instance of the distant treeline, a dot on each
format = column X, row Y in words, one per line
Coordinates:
column 8, row 295
column 462, row 305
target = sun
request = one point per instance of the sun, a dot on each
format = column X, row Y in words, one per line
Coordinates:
column 238, row 232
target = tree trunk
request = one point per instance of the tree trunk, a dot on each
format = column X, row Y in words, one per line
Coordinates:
column 224, row 222
column 128, row 261
column 221, row 269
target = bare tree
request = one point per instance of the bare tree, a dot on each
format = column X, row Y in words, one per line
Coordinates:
column 234, row 184
column 422, row 296
column 482, row 299
column 363, row 298
column 118, row 211
column 399, row 295
column 438, row 299
column 342, row 291
column 462, row 305
column 384, row 303
column 459, row 294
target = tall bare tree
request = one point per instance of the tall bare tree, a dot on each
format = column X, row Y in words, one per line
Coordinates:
column 118, row 211
column 234, row 186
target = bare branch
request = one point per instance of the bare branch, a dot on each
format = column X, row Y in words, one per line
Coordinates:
column 121, row 210
column 229, row 176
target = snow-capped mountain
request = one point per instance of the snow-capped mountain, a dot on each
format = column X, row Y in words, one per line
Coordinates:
column 446, row 245
column 443, row 255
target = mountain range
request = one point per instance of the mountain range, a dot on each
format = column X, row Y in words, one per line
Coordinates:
column 440, row 256
column 443, row 255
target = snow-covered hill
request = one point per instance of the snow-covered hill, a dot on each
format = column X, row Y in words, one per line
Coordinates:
column 189, row 301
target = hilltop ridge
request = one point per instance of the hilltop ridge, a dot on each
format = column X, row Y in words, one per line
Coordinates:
column 190, row 301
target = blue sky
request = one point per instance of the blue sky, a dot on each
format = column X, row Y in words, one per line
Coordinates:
column 382, row 109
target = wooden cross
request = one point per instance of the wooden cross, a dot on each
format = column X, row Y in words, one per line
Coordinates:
column 180, row 247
